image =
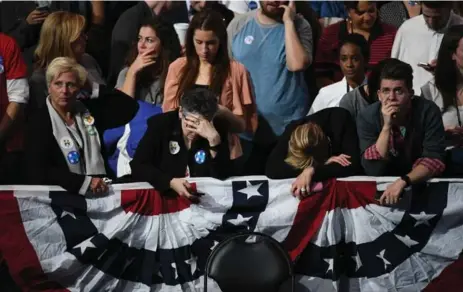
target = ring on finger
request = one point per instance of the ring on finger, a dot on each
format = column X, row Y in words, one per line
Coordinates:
column 303, row 190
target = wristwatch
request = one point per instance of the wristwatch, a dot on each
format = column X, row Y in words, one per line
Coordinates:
column 407, row 180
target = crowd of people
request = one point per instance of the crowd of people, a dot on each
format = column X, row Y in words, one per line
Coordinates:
column 94, row 92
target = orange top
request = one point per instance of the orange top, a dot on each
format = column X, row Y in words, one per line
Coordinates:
column 236, row 95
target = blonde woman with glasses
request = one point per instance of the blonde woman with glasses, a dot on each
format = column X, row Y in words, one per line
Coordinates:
column 316, row 148
column 62, row 35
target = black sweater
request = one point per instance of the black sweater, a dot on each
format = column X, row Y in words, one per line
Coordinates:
column 425, row 138
column 154, row 162
column 339, row 126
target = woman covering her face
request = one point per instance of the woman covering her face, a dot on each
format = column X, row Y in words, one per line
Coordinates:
column 188, row 142
column 318, row 147
column 208, row 65
column 144, row 76
column 63, row 138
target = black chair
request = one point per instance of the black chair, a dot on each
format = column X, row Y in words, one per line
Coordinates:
column 238, row 264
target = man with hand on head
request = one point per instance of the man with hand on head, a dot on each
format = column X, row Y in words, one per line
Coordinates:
column 401, row 134
column 188, row 142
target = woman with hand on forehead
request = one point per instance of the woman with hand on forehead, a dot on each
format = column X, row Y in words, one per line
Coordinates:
column 188, row 142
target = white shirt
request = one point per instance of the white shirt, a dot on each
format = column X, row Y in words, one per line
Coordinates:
column 415, row 43
column 123, row 161
column 330, row 96
column 449, row 118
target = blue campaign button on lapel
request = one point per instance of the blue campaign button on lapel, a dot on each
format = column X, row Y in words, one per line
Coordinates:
column 73, row 157
column 252, row 5
column 200, row 157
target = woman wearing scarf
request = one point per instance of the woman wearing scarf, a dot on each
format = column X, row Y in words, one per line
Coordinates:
column 63, row 140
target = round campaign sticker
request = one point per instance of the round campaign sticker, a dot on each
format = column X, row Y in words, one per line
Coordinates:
column 252, row 5
column 88, row 120
column 174, row 148
column 73, row 157
column 200, row 157
column 66, row 143
column 248, row 40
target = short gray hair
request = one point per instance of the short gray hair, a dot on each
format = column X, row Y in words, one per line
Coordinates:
column 62, row 65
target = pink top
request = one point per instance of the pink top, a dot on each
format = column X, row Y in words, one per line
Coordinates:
column 236, row 95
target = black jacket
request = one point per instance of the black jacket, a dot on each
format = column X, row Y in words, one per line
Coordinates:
column 339, row 126
column 154, row 162
column 45, row 163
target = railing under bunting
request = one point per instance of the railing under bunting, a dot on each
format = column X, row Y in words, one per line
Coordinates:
column 134, row 239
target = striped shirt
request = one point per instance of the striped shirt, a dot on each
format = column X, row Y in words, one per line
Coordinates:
column 327, row 58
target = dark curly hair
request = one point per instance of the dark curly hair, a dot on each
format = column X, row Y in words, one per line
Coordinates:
column 359, row 41
column 170, row 51
column 200, row 101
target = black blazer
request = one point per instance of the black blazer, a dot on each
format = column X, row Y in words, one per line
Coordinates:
column 339, row 126
column 45, row 163
column 155, row 163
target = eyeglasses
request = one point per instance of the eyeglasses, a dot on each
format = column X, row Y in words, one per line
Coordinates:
column 387, row 92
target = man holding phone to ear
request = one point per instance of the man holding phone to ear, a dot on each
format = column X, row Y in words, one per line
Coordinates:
column 401, row 134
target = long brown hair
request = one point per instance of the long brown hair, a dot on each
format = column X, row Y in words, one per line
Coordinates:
column 212, row 21
column 167, row 55
column 59, row 30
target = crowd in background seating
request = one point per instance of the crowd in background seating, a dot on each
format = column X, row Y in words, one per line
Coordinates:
column 94, row 91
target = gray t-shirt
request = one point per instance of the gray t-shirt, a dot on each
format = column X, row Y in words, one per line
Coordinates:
column 281, row 95
column 354, row 102
column 152, row 94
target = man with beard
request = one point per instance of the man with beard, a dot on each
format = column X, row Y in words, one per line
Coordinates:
column 401, row 134
column 418, row 39
column 275, row 45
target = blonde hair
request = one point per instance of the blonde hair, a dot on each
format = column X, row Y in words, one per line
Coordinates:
column 304, row 136
column 59, row 30
column 62, row 65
